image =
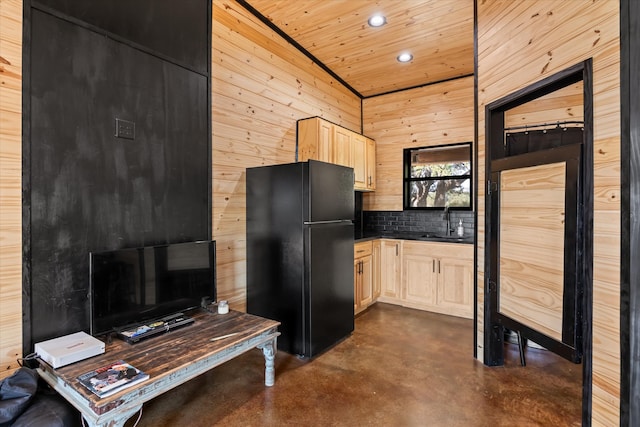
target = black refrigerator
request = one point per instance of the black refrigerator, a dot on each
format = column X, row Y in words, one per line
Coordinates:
column 300, row 252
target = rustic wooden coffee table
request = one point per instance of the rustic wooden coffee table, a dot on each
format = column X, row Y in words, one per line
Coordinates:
column 170, row 359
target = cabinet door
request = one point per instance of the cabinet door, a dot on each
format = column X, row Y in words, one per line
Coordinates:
column 307, row 139
column 356, row 285
column 420, row 277
column 455, row 286
column 366, row 284
column 325, row 141
column 359, row 143
column 376, row 260
column 371, row 164
column 314, row 140
column 390, row 267
column 438, row 277
column 342, row 146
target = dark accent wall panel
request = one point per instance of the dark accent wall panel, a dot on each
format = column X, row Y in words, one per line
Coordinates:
column 177, row 29
column 91, row 190
column 630, row 213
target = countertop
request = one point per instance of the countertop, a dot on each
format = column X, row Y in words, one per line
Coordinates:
column 418, row 235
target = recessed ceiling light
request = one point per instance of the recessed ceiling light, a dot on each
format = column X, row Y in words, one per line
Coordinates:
column 377, row 20
column 404, row 57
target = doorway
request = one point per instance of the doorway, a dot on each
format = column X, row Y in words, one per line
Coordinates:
column 538, row 248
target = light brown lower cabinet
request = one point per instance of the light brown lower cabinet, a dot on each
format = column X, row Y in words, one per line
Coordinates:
column 390, row 268
column 429, row 276
column 375, row 258
column 362, row 276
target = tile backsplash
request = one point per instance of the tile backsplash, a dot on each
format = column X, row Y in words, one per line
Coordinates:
column 416, row 221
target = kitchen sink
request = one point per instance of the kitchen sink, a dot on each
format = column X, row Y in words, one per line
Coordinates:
column 452, row 238
column 429, row 236
column 439, row 236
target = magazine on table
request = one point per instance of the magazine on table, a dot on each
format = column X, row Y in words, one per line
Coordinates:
column 112, row 378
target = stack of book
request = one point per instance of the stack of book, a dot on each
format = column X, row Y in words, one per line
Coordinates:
column 112, row 378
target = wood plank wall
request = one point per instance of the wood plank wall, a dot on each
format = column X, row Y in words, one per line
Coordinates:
column 10, row 185
column 431, row 115
column 519, row 43
column 260, row 86
column 562, row 105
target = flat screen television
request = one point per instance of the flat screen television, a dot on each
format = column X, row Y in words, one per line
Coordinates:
column 135, row 285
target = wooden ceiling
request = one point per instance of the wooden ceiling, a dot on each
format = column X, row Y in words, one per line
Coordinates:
column 439, row 34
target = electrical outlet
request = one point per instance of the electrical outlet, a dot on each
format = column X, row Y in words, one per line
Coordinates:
column 125, row 129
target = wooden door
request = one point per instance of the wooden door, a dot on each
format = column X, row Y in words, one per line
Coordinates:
column 314, row 140
column 357, row 285
column 342, row 147
column 376, row 260
column 532, row 245
column 455, row 286
column 325, row 141
column 371, row 164
column 359, row 145
column 390, row 268
column 366, row 281
column 538, row 229
column 420, row 274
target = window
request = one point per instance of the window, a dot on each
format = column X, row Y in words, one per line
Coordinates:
column 438, row 177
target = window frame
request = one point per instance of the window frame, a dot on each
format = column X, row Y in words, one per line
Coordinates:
column 407, row 179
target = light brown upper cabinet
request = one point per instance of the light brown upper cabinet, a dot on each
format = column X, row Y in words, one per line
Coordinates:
column 371, row 165
column 315, row 140
column 342, row 146
column 364, row 162
column 359, row 153
column 319, row 139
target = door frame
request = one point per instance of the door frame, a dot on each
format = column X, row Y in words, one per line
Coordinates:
column 494, row 131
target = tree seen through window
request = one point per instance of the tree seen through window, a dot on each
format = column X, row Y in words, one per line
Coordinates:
column 438, row 177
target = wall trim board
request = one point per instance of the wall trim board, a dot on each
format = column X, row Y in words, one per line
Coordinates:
column 26, row 180
column 404, row 89
column 475, row 178
column 297, row 45
column 210, row 118
column 630, row 213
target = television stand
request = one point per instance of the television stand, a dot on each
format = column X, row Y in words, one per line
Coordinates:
column 169, row 359
column 134, row 333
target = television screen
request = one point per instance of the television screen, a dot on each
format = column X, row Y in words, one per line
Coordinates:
column 129, row 286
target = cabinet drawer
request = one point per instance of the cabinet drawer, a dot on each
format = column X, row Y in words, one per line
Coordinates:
column 362, row 249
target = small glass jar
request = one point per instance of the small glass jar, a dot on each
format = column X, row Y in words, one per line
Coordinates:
column 223, row 307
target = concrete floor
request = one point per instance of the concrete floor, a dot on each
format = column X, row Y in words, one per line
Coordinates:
column 400, row 367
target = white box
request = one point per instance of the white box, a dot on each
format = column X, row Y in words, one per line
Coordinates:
column 68, row 349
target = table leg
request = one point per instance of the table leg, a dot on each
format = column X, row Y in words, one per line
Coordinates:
column 116, row 420
column 269, row 351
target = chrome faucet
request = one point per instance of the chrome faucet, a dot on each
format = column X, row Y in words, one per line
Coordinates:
column 447, row 216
